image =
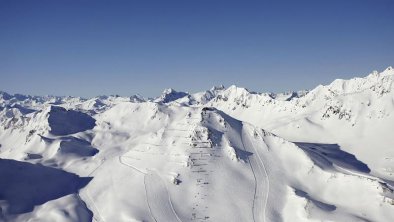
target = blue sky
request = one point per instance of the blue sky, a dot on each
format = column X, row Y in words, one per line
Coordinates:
column 92, row 47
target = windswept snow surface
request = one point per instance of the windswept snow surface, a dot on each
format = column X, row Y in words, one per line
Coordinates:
column 225, row 154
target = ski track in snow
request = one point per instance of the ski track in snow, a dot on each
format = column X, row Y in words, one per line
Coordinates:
column 87, row 199
column 179, row 137
column 357, row 174
column 258, row 177
column 131, row 166
column 160, row 206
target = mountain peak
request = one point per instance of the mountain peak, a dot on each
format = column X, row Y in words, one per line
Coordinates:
column 216, row 88
column 168, row 91
column 388, row 71
column 237, row 90
column 170, row 95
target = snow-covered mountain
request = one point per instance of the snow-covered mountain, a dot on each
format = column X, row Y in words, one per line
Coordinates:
column 225, row 154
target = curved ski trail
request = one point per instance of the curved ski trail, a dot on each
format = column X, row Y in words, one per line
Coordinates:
column 260, row 175
column 158, row 198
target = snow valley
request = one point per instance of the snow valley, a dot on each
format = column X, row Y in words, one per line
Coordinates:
column 225, row 154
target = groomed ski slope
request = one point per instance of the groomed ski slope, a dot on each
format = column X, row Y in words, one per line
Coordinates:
column 262, row 183
column 209, row 156
column 157, row 197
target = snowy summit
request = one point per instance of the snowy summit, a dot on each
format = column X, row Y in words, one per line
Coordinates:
column 225, row 154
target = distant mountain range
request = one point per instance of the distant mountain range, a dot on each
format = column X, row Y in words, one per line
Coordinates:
column 225, row 154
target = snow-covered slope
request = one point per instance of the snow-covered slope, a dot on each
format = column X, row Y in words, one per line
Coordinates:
column 355, row 113
column 226, row 154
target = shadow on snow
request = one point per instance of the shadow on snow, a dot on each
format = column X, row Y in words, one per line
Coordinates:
column 25, row 185
column 326, row 155
column 64, row 122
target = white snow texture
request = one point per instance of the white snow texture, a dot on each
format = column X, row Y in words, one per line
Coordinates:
column 226, row 154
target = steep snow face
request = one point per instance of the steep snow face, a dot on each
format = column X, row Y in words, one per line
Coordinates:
column 203, row 156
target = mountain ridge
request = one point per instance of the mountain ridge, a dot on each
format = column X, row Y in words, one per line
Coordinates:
column 325, row 154
column 337, row 86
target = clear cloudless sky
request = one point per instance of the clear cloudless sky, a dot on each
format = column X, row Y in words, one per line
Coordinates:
column 95, row 47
